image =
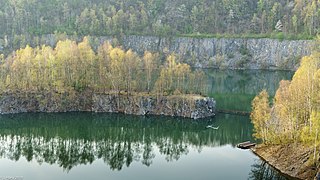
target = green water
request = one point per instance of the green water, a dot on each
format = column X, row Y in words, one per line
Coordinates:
column 235, row 89
column 117, row 146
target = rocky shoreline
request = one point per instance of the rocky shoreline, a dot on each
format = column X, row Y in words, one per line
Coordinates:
column 188, row 106
column 292, row 160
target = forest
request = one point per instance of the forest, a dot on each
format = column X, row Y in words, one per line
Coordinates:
column 71, row 67
column 294, row 114
column 293, row 18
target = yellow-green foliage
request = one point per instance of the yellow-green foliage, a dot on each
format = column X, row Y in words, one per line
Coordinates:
column 260, row 116
column 178, row 78
column 295, row 113
column 72, row 66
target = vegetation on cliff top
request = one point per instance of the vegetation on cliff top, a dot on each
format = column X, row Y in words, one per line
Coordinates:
column 294, row 116
column 159, row 17
column 71, row 67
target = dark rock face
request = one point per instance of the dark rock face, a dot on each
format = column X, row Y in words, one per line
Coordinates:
column 194, row 107
column 190, row 107
column 203, row 107
column 46, row 102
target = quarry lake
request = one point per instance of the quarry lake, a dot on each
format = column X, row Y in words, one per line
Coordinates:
column 116, row 146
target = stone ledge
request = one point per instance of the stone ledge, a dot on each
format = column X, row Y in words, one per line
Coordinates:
column 189, row 106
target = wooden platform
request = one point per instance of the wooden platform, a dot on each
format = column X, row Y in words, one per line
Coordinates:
column 246, row 145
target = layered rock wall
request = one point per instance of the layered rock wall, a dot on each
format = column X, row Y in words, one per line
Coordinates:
column 194, row 107
column 226, row 53
column 188, row 106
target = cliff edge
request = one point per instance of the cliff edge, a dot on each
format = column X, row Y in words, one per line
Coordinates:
column 189, row 106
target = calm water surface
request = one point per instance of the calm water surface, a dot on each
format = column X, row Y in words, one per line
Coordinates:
column 117, row 146
column 235, row 89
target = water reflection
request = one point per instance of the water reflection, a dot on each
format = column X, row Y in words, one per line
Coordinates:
column 71, row 139
column 261, row 170
column 235, row 89
column 245, row 81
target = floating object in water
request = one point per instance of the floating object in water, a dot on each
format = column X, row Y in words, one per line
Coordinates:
column 246, row 145
column 212, row 127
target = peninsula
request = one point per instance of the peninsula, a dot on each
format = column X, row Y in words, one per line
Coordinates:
column 72, row 77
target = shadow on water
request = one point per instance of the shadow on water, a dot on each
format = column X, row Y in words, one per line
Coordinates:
column 71, row 139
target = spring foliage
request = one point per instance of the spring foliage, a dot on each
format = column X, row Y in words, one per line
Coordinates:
column 295, row 114
column 158, row 17
column 72, row 66
column 261, row 115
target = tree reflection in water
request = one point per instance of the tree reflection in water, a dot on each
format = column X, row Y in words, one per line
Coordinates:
column 261, row 170
column 71, row 139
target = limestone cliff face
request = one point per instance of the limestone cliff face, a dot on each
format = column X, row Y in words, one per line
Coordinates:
column 229, row 53
column 194, row 107
column 226, row 53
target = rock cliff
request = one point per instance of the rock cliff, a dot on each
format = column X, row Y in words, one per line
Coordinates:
column 194, row 107
column 189, row 106
column 229, row 53
column 226, row 53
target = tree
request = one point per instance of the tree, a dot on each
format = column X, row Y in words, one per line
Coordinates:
column 149, row 66
column 115, row 71
column 279, row 26
column 176, row 78
column 260, row 116
column 66, row 61
column 74, row 67
column 104, row 64
column 295, row 114
column 295, row 24
column 310, row 135
column 86, row 65
column 130, row 66
column 282, row 107
column 3, row 73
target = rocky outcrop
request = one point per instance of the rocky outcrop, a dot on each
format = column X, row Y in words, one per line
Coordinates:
column 189, row 106
column 229, row 53
column 11, row 103
column 226, row 52
column 194, row 107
